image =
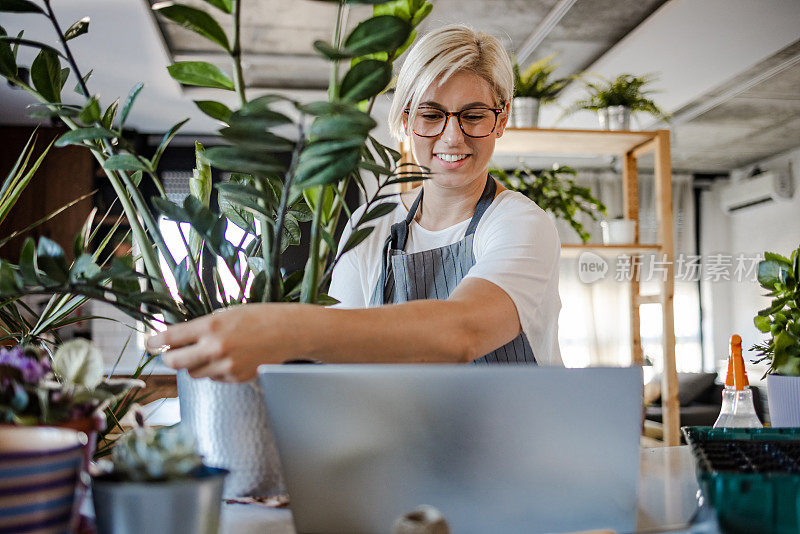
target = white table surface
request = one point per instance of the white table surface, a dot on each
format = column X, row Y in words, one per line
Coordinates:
column 667, row 498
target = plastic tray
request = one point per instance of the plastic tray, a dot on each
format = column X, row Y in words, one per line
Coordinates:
column 750, row 476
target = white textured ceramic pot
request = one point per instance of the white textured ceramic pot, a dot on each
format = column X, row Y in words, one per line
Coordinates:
column 230, row 424
column 525, row 112
column 783, row 395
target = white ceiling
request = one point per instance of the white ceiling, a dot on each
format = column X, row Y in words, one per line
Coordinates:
column 728, row 69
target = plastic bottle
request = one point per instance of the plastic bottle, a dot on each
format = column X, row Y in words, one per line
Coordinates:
column 737, row 410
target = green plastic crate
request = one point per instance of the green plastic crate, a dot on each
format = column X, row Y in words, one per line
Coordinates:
column 750, row 476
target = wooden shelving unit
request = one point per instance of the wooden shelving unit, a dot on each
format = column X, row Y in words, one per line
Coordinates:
column 629, row 146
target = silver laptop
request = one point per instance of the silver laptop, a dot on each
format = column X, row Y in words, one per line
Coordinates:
column 499, row 449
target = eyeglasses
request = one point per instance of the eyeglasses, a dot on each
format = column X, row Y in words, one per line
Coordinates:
column 474, row 122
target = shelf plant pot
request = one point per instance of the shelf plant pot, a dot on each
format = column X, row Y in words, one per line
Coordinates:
column 783, row 396
column 615, row 118
column 180, row 506
column 525, row 112
column 618, row 231
column 39, row 475
column 232, row 430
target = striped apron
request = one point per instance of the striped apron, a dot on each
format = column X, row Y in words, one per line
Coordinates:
column 435, row 273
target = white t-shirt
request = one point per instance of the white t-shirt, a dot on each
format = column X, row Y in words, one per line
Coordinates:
column 516, row 247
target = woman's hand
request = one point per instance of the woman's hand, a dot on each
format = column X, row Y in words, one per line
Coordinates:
column 229, row 345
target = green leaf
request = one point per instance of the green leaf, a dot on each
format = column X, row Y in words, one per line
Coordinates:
column 377, row 212
column 162, row 146
column 328, row 169
column 79, row 28
column 78, row 89
column 376, row 169
column 64, row 78
column 783, row 361
column 243, row 160
column 170, row 210
column 10, row 281
column 46, row 75
column 762, row 323
column 201, row 74
column 195, row 20
column 772, row 256
column 421, row 14
column 77, row 137
column 327, row 51
column 50, row 259
column 356, row 237
column 342, row 126
column 125, row 162
column 769, row 272
column 8, row 62
column 254, row 135
column 83, row 268
column 383, row 33
column 129, row 103
column 224, row 5
column 27, row 262
column 108, row 116
column 90, row 112
column 19, row 6
column 215, row 110
column 365, row 80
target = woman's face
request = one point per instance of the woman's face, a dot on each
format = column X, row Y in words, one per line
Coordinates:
column 455, row 159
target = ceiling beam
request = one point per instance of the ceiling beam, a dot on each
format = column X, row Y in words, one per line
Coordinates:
column 544, row 28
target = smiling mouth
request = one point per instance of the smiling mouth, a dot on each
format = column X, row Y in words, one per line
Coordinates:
column 452, row 158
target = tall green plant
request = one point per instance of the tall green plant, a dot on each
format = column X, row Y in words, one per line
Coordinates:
column 266, row 196
column 780, row 276
column 555, row 191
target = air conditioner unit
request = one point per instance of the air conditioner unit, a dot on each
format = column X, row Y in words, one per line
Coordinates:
column 765, row 188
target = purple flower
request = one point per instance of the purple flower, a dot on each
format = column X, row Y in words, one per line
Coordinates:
column 32, row 369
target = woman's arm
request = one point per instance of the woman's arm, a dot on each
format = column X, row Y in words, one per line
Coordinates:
column 230, row 345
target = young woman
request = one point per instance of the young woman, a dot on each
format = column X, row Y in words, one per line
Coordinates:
column 462, row 270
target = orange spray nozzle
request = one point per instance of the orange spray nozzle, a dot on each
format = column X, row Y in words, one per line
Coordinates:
column 737, row 376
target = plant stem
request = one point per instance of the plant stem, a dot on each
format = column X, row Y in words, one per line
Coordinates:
column 308, row 293
column 236, row 52
column 283, row 208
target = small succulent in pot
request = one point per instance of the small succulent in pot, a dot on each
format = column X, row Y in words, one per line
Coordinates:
column 146, row 454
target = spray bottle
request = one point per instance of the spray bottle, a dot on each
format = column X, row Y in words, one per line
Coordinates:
column 737, row 410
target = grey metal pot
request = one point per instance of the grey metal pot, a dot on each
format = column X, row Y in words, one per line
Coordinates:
column 231, row 426
column 615, row 118
column 181, row 506
column 524, row 112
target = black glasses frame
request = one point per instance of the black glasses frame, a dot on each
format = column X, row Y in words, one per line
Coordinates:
column 457, row 115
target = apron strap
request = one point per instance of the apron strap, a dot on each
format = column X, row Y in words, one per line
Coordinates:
column 398, row 236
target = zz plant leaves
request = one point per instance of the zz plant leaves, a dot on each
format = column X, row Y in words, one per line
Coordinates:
column 19, row 6
column 126, row 108
column 366, row 79
column 201, row 74
column 215, row 110
column 195, row 20
column 383, row 33
column 46, row 75
column 77, row 137
column 77, row 29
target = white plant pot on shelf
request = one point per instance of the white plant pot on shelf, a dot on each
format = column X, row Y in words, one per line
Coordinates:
column 618, row 231
column 783, row 396
column 525, row 112
column 615, row 118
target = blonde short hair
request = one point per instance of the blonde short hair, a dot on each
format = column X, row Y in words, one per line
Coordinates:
column 442, row 53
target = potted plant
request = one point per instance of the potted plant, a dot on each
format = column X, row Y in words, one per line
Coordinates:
column 66, row 390
column 615, row 100
column 277, row 182
column 780, row 276
column 554, row 190
column 533, row 88
column 157, row 482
